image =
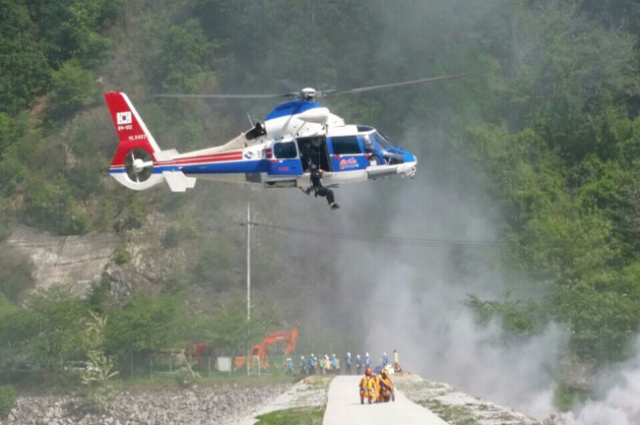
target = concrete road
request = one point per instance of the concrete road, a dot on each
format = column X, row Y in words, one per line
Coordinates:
column 344, row 408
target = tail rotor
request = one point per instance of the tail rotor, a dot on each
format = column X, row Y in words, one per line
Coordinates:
column 138, row 165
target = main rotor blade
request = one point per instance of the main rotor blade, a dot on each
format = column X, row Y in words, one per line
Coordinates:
column 386, row 86
column 227, row 96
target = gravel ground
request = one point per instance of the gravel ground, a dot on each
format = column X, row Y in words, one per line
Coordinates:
column 309, row 393
column 455, row 407
column 194, row 406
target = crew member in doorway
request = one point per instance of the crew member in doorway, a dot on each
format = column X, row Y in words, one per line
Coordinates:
column 318, row 187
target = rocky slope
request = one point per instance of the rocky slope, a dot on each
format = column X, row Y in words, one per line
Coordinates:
column 455, row 407
column 77, row 261
column 195, row 406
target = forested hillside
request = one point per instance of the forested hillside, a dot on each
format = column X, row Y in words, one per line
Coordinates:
column 548, row 113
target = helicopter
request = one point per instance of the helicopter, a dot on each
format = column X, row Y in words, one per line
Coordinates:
column 296, row 136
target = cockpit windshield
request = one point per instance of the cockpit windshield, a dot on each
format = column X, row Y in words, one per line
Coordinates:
column 390, row 154
column 382, row 142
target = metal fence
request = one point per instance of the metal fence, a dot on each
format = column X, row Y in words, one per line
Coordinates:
column 143, row 365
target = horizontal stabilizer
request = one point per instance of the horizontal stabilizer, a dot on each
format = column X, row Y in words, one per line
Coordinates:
column 178, row 182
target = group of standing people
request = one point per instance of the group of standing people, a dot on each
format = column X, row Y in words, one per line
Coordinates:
column 323, row 365
column 332, row 365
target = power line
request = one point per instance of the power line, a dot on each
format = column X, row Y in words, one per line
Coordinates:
column 394, row 240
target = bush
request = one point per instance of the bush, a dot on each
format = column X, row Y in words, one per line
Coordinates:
column 121, row 255
column 566, row 397
column 15, row 273
column 72, row 87
column 7, row 400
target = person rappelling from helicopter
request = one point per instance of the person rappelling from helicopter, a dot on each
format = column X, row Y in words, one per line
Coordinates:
column 319, row 188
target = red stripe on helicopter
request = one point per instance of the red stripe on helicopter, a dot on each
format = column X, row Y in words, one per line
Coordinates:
column 195, row 160
column 231, row 156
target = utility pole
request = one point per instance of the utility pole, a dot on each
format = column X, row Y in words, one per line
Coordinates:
column 248, row 284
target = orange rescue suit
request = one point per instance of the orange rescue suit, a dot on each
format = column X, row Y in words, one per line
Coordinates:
column 386, row 388
column 374, row 389
column 364, row 389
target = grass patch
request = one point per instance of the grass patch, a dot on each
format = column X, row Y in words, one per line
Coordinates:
column 318, row 382
column 163, row 381
column 54, row 384
column 452, row 414
column 292, row 417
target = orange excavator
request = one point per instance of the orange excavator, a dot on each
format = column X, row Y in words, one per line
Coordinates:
column 262, row 350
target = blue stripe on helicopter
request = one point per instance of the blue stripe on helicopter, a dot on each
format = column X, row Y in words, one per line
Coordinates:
column 290, row 108
column 272, row 167
column 258, row 166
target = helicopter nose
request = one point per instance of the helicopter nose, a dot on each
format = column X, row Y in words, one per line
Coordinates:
column 409, row 157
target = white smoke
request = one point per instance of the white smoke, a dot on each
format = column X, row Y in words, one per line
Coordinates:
column 620, row 404
column 412, row 298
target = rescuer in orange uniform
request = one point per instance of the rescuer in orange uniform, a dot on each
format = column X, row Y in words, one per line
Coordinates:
column 374, row 387
column 363, row 387
column 367, row 387
column 386, row 387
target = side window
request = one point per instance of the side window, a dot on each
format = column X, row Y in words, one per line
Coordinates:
column 345, row 145
column 285, row 150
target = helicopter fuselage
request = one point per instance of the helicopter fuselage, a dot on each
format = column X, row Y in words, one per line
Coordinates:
column 275, row 154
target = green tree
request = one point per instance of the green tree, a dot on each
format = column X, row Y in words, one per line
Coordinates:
column 184, row 58
column 50, row 205
column 25, row 72
column 15, row 274
column 145, row 324
column 71, row 88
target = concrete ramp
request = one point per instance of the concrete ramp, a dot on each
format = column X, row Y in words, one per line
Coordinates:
column 344, row 408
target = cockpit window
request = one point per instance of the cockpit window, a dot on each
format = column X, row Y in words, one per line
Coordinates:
column 285, row 150
column 368, row 145
column 382, row 142
column 345, row 145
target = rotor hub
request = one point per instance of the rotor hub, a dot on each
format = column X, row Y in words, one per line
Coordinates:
column 308, row 93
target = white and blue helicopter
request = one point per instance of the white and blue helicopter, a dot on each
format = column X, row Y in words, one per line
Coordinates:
column 278, row 153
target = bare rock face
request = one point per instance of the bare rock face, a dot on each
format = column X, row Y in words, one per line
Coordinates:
column 78, row 261
column 119, row 282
